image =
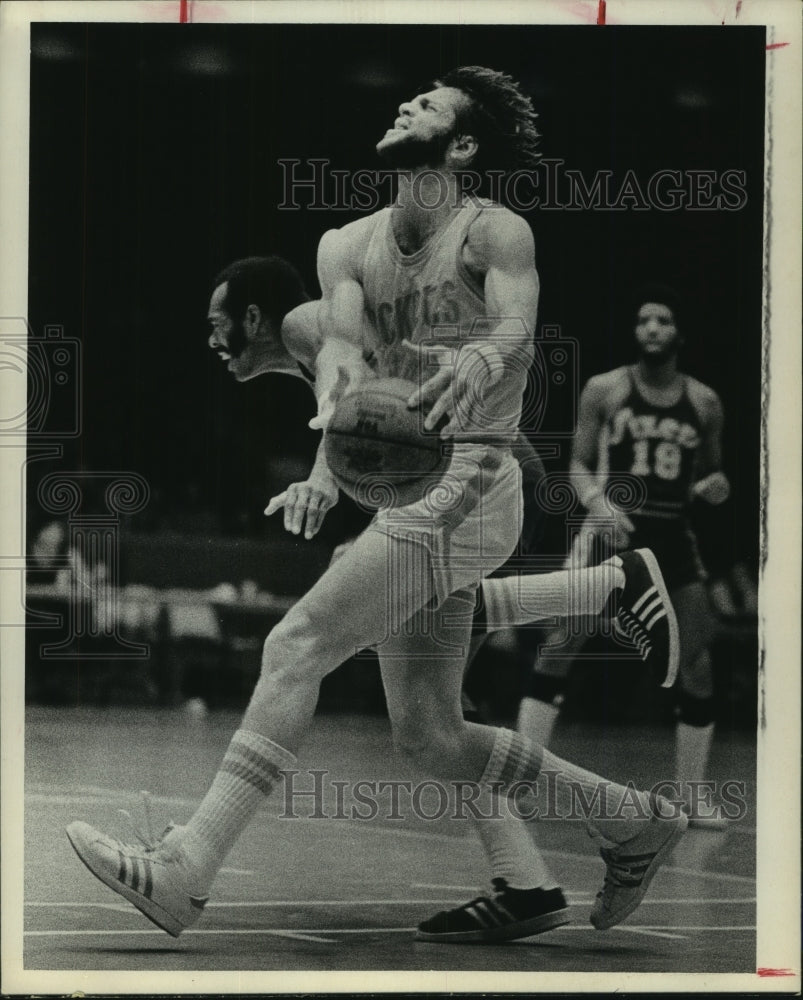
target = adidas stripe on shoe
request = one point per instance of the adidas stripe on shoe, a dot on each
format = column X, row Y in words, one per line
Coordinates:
column 631, row 866
column 152, row 877
column 645, row 617
column 505, row 916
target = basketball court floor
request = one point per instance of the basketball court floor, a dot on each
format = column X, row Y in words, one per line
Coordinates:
column 311, row 894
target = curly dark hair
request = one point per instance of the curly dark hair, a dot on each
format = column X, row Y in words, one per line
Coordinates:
column 665, row 295
column 499, row 116
column 271, row 283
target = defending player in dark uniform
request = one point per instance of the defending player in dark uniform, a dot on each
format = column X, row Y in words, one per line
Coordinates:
column 652, row 421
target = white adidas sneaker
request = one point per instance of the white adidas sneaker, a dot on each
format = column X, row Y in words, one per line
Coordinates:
column 152, row 877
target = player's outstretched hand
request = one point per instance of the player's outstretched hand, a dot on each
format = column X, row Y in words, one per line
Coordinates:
column 461, row 371
column 621, row 524
column 437, row 390
column 326, row 406
column 623, row 531
column 308, row 501
column 714, row 489
column 608, row 520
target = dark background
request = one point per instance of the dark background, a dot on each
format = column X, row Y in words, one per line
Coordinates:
column 154, row 155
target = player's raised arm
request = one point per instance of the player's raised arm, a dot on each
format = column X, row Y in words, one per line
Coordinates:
column 500, row 249
column 505, row 245
column 340, row 359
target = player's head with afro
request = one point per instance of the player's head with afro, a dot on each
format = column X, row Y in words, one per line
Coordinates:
column 660, row 293
column 654, row 293
column 498, row 115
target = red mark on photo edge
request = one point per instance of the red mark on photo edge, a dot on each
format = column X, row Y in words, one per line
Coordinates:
column 601, row 12
column 775, row 972
column 183, row 12
column 777, row 45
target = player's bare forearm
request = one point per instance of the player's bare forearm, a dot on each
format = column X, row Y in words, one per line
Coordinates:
column 588, row 483
column 501, row 249
column 320, row 472
column 339, row 365
column 339, row 368
column 711, row 484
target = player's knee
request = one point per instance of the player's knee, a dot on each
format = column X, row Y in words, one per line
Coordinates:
column 294, row 647
column 697, row 677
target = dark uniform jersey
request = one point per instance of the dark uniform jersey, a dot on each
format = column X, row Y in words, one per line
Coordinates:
column 660, row 445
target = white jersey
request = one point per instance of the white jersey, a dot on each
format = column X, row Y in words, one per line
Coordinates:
column 430, row 296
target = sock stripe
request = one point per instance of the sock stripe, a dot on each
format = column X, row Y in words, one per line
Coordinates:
column 267, row 771
column 512, row 759
column 515, row 766
column 249, row 770
column 252, row 758
column 263, row 782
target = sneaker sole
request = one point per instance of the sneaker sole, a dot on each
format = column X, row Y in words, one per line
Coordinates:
column 657, row 578
column 649, row 875
column 508, row 932
column 155, row 913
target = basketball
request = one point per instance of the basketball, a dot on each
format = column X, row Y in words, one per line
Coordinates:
column 377, row 448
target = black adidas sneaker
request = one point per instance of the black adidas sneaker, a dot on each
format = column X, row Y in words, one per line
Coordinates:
column 506, row 915
column 645, row 617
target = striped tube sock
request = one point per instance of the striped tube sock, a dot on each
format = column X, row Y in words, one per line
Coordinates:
column 519, row 600
column 563, row 790
column 510, row 847
column 249, row 771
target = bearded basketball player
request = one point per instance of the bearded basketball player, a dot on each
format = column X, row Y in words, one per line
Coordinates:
column 435, row 267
